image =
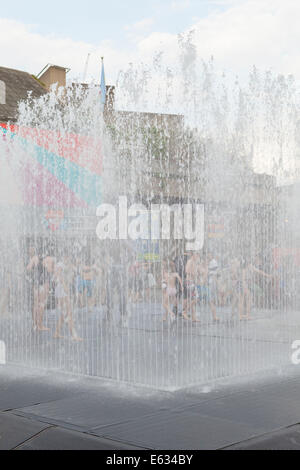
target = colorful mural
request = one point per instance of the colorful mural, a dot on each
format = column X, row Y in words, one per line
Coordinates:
column 59, row 170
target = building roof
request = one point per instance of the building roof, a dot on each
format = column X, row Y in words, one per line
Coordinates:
column 17, row 84
column 48, row 66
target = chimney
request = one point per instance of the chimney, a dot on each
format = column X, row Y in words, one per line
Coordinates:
column 52, row 74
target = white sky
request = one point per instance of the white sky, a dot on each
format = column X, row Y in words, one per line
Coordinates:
column 238, row 33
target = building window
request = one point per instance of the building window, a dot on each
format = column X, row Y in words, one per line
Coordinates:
column 2, row 93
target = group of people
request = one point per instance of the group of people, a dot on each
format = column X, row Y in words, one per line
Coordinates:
column 198, row 278
column 71, row 282
column 182, row 282
column 42, row 272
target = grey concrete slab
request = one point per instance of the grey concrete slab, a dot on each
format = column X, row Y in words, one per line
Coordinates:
column 289, row 389
column 260, row 409
column 284, row 439
column 180, row 430
column 64, row 439
column 91, row 410
column 15, row 430
column 29, row 390
column 204, row 417
column 22, row 394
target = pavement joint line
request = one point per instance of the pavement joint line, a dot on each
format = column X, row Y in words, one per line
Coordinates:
column 258, row 436
column 79, row 432
column 130, row 420
column 81, row 428
column 89, row 432
column 52, row 423
column 294, row 380
column 8, row 410
column 132, row 443
column 109, row 438
column 31, row 437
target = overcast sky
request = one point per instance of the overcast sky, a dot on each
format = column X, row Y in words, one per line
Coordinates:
column 238, row 33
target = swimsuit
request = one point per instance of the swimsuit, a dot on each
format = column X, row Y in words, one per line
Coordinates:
column 40, row 275
column 171, row 291
column 189, row 289
column 87, row 284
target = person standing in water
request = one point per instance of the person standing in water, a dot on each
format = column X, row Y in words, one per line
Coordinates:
column 86, row 282
column 29, row 280
column 190, row 290
column 202, row 281
column 241, row 286
column 40, row 267
column 117, row 281
column 64, row 274
column 247, row 271
column 236, row 286
column 169, row 290
column 213, row 270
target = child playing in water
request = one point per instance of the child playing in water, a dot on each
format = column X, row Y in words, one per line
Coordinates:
column 241, row 285
column 63, row 275
column 169, row 290
column 190, row 287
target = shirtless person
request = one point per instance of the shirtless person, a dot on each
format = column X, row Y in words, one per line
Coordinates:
column 190, row 291
column 86, row 282
column 202, row 281
column 41, row 269
column 241, row 279
column 169, row 290
column 247, row 269
column 213, row 270
column 63, row 275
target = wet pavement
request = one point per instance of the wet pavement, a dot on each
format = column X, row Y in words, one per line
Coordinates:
column 47, row 410
column 42, row 407
column 142, row 349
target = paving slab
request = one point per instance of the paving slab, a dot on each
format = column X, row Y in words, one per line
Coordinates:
column 22, row 393
column 63, row 439
column 180, row 430
column 19, row 389
column 15, row 430
column 284, row 439
column 289, row 389
column 92, row 410
column 211, row 416
column 260, row 409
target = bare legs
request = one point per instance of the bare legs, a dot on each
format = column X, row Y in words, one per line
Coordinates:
column 189, row 305
column 168, row 300
column 245, row 304
column 234, row 304
column 39, row 304
column 213, row 309
column 241, row 302
column 64, row 306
